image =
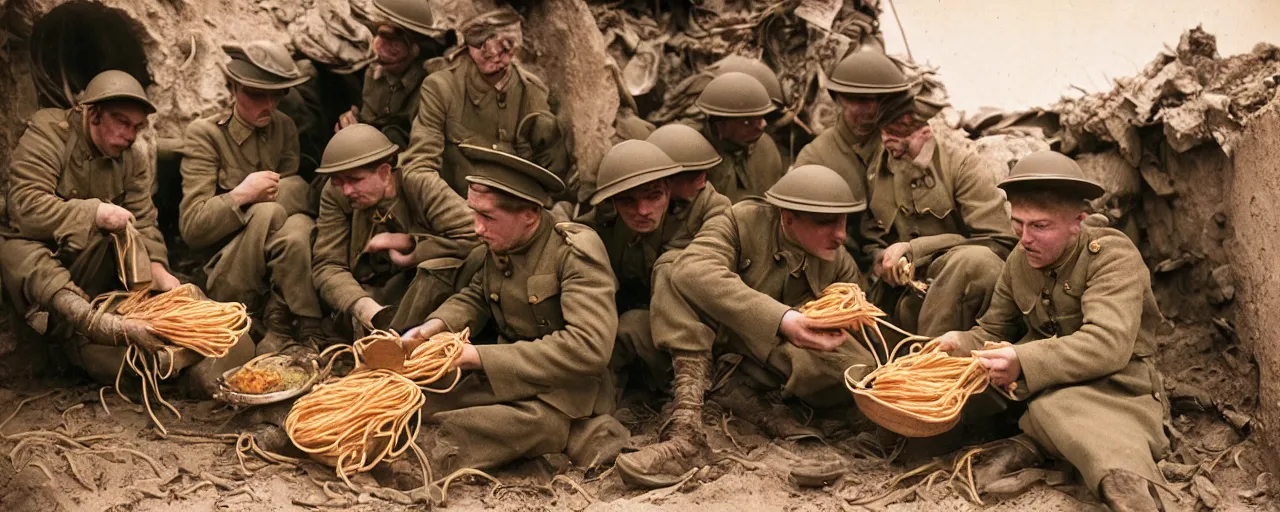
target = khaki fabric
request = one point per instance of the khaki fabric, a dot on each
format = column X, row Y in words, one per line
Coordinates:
column 551, row 302
column 946, row 211
column 390, row 101
column 632, row 255
column 457, row 106
column 731, row 287
column 57, row 179
column 263, row 243
column 855, row 158
column 744, row 171
column 1084, row 330
column 425, row 208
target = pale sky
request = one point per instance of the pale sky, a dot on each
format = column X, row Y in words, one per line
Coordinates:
column 1018, row 53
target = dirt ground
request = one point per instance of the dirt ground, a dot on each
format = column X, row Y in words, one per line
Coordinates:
column 197, row 474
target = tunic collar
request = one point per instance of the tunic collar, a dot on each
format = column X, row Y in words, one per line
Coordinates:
column 239, row 129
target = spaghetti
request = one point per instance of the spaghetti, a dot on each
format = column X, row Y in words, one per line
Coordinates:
column 429, row 361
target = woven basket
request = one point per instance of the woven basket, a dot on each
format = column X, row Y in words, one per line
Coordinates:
column 899, row 421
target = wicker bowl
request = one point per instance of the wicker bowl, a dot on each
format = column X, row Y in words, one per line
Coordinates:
column 899, row 421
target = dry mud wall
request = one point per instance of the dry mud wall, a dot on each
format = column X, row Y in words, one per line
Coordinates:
column 1254, row 202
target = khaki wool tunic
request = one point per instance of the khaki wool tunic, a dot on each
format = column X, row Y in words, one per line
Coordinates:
column 425, row 208
column 743, row 171
column 551, row 302
column 734, row 283
column 57, row 179
column 269, row 240
column 1084, row 330
column 854, row 158
column 456, row 105
column 389, row 102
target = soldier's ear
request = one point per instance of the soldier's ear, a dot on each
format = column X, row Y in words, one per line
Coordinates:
column 384, row 170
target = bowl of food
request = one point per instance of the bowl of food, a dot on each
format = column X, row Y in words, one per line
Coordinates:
column 267, row 379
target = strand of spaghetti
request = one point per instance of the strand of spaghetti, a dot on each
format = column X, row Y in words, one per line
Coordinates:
column 430, row 360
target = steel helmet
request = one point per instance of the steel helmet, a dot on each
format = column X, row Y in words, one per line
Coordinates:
column 630, row 164
column 756, row 69
column 414, row 15
column 354, row 147
column 735, row 94
column 686, row 146
column 114, row 84
column 867, row 72
column 814, row 189
column 1052, row 170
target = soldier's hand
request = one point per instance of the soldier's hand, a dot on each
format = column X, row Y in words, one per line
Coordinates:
column 798, row 330
column 364, row 311
column 110, row 217
column 347, row 118
column 389, row 241
column 470, row 358
column 1002, row 362
column 948, row 342
column 161, row 279
column 889, row 259
column 257, row 187
column 415, row 336
column 139, row 333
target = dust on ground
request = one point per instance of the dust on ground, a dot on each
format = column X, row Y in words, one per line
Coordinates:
column 125, row 464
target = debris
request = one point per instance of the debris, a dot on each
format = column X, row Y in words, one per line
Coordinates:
column 1203, row 488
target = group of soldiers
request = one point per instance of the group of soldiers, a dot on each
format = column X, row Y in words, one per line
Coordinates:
column 444, row 207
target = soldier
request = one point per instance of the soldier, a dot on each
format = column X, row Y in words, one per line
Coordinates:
column 401, row 41
column 864, row 84
column 935, row 206
column 79, row 194
column 244, row 201
column 636, row 178
column 388, row 244
column 693, row 200
column 735, row 287
column 544, row 387
column 483, row 98
column 735, row 105
column 1077, row 299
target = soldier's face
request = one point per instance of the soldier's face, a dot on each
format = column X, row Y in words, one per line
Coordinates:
column 686, row 185
column 819, row 234
column 255, row 106
column 642, row 207
column 500, row 229
column 494, row 55
column 363, row 187
column 742, row 131
column 114, row 127
column 1045, row 231
column 905, row 137
column 859, row 112
column 392, row 46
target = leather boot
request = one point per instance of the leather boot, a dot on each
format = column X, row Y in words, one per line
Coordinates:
column 1125, row 491
column 683, row 444
column 279, row 323
column 750, row 405
column 105, row 329
column 1000, row 458
column 311, row 333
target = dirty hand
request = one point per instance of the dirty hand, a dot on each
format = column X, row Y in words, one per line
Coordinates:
column 347, row 118
column 411, row 338
column 364, row 310
column 798, row 330
column 389, row 241
column 110, row 217
column 140, row 334
column 257, row 187
column 949, row 341
column 1003, row 363
column 889, row 259
column 470, row 359
column 161, row 279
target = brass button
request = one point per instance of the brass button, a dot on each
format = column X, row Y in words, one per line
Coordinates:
column 493, row 297
column 506, row 273
column 1045, row 301
column 533, row 299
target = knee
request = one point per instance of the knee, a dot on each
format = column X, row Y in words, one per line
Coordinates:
column 295, row 234
column 633, row 325
column 975, row 265
column 269, row 215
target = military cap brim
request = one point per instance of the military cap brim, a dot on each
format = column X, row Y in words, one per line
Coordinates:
column 1083, row 188
column 614, row 188
column 141, row 101
column 865, row 89
column 245, row 71
column 511, row 174
column 801, row 205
